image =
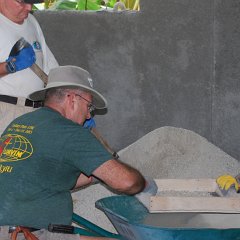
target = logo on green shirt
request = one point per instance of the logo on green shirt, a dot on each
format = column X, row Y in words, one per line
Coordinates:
column 14, row 147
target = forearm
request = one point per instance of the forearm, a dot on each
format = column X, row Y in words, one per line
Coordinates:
column 135, row 183
column 120, row 177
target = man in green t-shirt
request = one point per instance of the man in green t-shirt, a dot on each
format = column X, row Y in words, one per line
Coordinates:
column 47, row 153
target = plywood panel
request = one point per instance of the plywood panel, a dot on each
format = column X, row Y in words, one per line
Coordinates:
column 191, row 185
column 194, row 204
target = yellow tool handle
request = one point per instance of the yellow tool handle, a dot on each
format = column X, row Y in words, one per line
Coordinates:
column 104, row 142
column 40, row 73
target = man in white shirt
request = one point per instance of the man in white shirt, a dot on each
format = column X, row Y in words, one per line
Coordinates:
column 17, row 80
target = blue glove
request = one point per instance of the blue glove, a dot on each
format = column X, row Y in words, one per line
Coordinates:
column 24, row 59
column 89, row 123
column 150, row 189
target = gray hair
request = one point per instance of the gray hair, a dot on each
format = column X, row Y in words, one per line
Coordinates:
column 58, row 94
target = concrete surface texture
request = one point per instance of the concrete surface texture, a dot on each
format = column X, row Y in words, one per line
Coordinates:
column 166, row 152
column 174, row 63
column 84, row 205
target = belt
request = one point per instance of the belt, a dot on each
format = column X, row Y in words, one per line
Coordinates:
column 30, row 229
column 15, row 100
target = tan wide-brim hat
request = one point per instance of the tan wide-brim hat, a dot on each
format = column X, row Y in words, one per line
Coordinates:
column 33, row 1
column 70, row 77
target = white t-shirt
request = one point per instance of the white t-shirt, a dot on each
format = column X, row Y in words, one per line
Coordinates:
column 22, row 83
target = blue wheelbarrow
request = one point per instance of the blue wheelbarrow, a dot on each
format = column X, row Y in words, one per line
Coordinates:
column 133, row 222
column 88, row 228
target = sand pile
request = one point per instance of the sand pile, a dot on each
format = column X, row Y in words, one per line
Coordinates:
column 170, row 152
column 166, row 152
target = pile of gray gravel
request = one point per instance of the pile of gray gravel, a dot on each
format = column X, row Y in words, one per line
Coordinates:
column 170, row 152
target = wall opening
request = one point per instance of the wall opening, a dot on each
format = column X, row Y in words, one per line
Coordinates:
column 89, row 5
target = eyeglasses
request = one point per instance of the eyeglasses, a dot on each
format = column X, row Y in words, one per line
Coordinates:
column 91, row 107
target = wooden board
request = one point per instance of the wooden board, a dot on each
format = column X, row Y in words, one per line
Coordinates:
column 176, row 203
column 194, row 204
column 189, row 185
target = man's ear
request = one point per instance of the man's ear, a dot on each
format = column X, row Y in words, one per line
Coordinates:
column 70, row 101
column 69, row 105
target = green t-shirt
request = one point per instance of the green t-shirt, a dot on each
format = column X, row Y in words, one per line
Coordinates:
column 41, row 156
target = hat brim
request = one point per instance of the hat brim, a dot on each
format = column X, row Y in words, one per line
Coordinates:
column 33, row 1
column 98, row 100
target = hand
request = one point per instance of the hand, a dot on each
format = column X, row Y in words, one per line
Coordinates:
column 24, row 59
column 89, row 123
column 228, row 186
column 150, row 189
column 225, row 182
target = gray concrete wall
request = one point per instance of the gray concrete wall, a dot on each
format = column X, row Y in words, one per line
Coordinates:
column 174, row 63
column 226, row 85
